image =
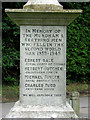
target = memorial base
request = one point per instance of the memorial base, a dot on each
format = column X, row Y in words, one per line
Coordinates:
column 23, row 111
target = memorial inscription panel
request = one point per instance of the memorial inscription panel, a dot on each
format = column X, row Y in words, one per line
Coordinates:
column 43, row 65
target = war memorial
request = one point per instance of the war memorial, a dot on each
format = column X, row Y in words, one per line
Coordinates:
column 43, row 33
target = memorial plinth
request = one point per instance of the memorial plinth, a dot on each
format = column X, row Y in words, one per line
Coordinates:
column 42, row 60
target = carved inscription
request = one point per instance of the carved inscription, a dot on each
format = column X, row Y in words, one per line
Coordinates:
column 42, row 61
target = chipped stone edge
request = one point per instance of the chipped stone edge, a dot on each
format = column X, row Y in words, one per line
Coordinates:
column 19, row 110
column 60, row 11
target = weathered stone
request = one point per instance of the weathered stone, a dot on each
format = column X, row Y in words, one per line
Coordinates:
column 42, row 59
column 43, row 5
column 26, row 111
column 43, row 65
column 42, row 18
column 75, row 103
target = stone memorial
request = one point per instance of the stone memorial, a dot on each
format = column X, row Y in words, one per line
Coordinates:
column 42, row 59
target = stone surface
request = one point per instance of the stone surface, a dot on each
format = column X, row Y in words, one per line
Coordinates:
column 42, row 18
column 43, row 74
column 26, row 111
column 42, row 59
column 43, row 13
column 43, row 5
column 84, row 108
column 40, row 2
column 43, row 65
column 75, row 102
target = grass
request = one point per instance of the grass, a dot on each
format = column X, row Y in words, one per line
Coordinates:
column 11, row 93
column 77, row 87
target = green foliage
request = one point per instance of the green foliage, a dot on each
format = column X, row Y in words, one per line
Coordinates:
column 11, row 80
column 10, row 47
column 12, row 56
column 77, row 45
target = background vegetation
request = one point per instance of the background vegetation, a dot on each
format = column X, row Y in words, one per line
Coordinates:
column 77, row 46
